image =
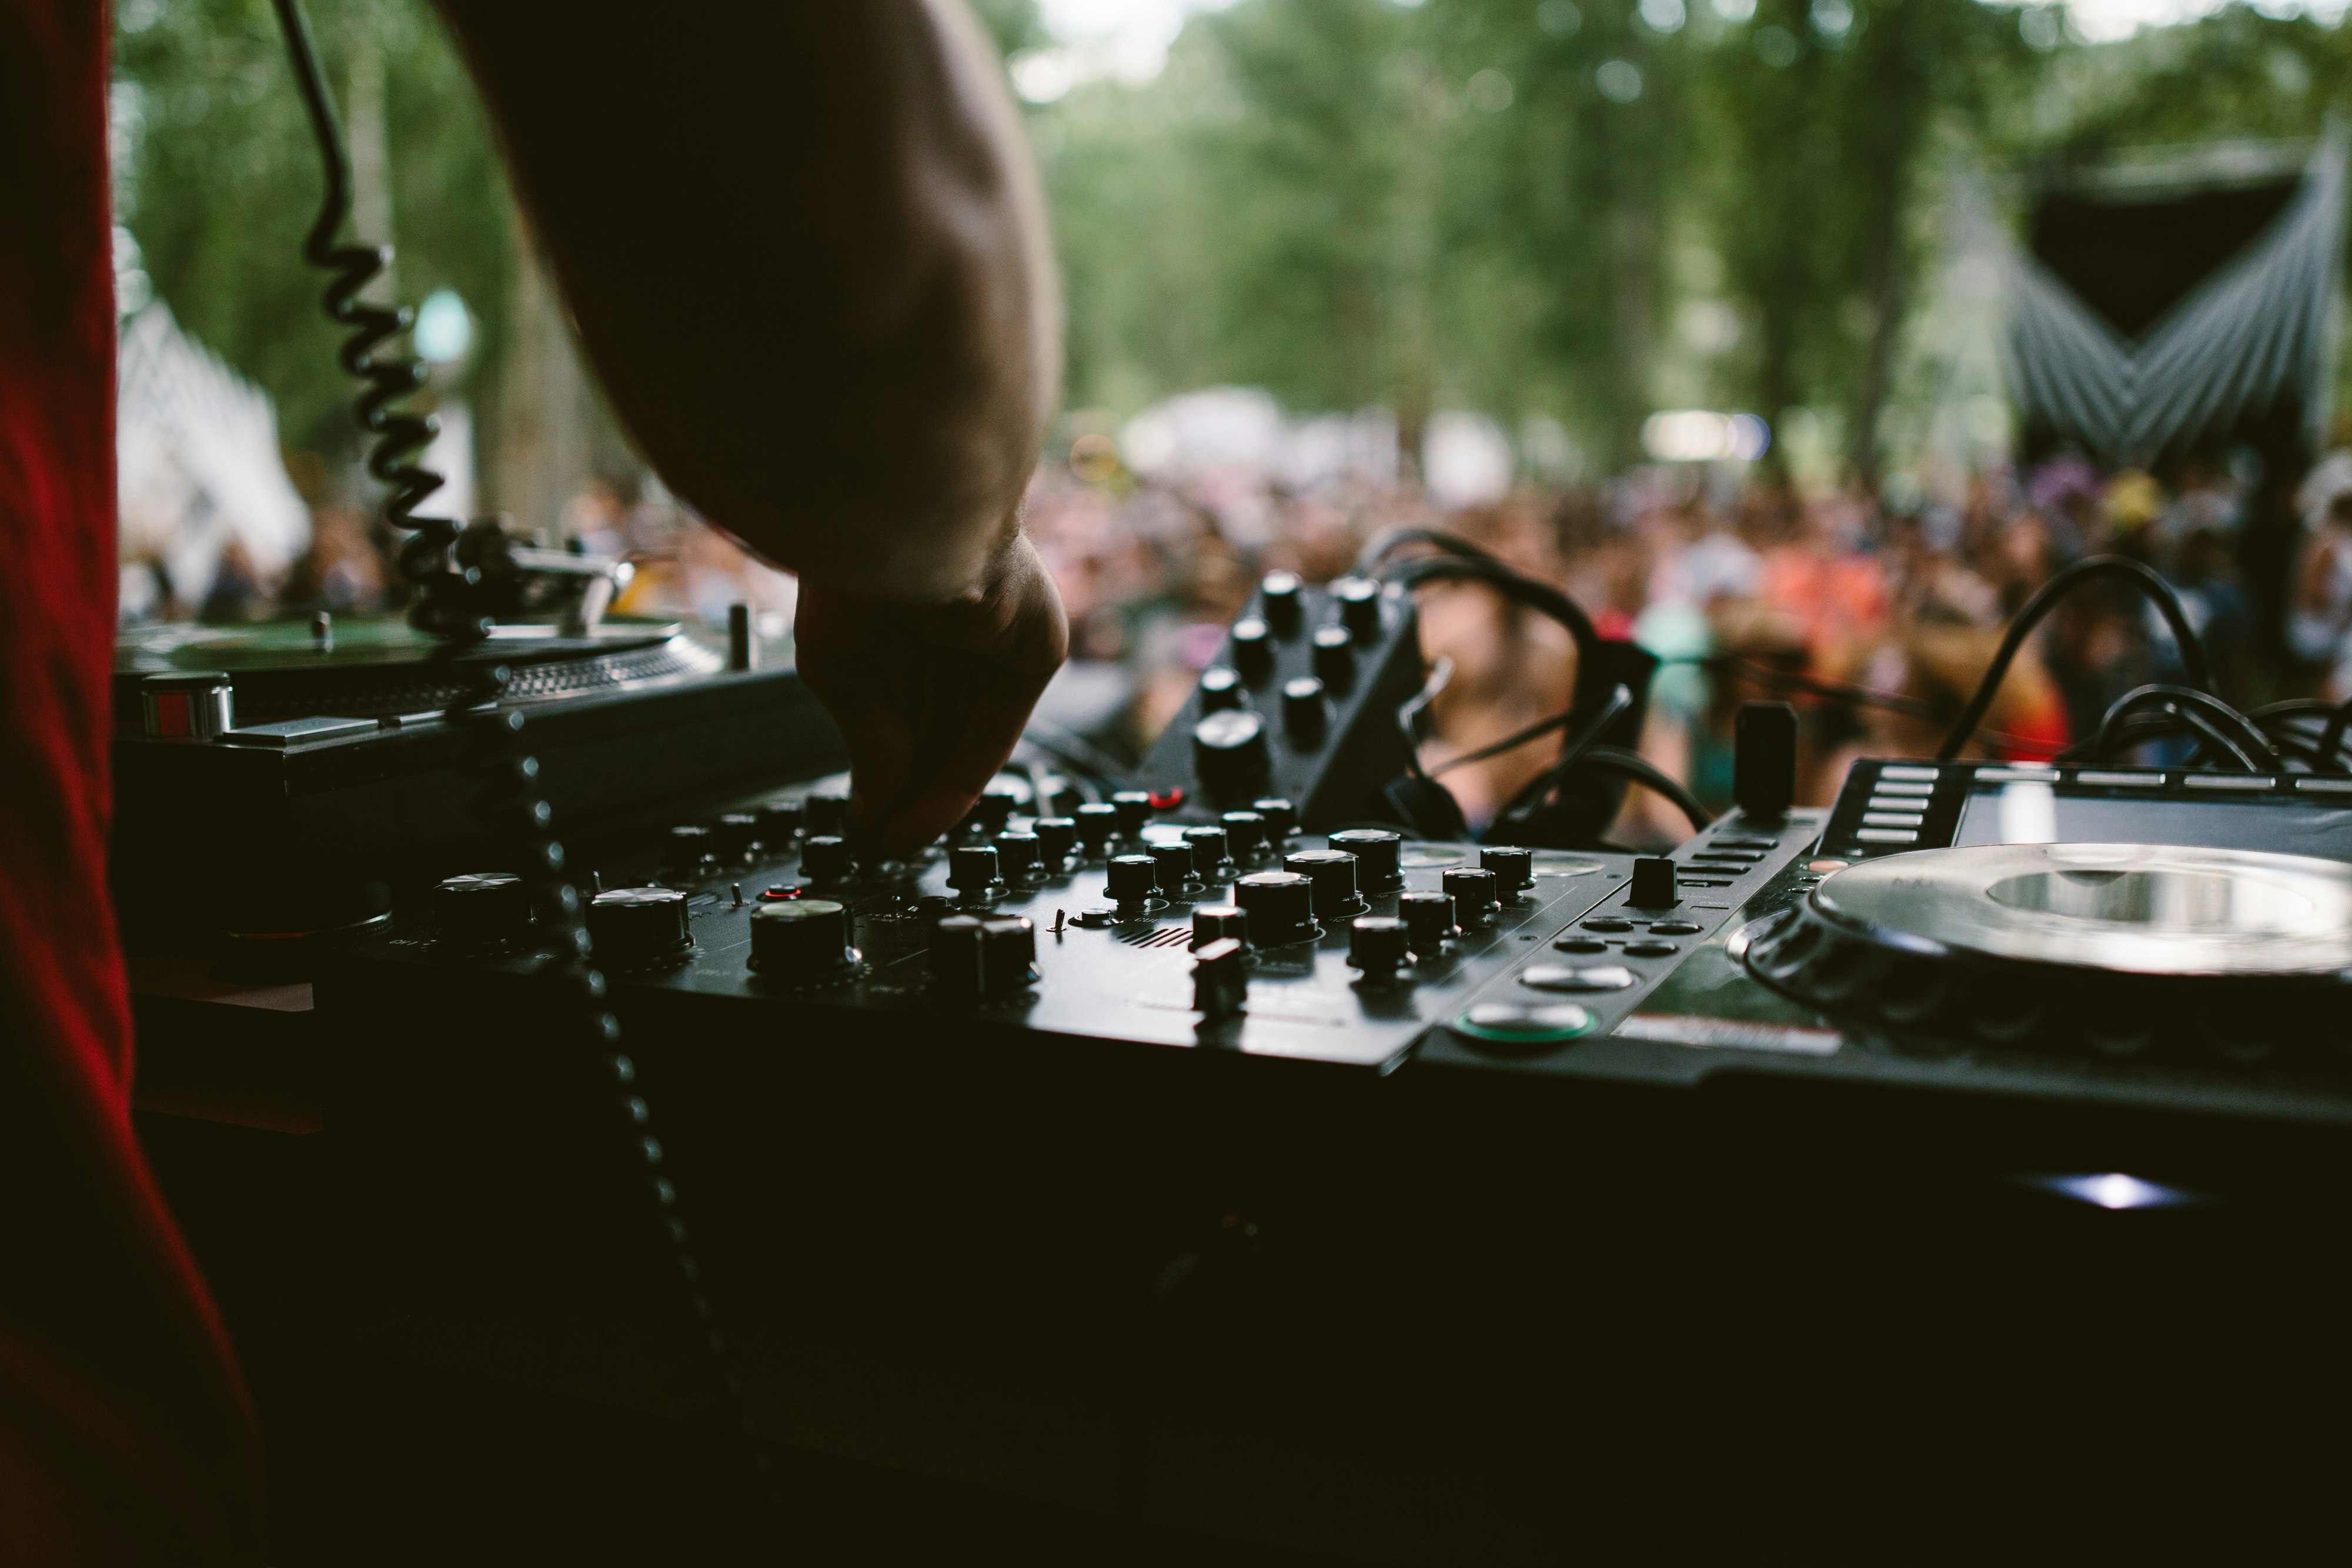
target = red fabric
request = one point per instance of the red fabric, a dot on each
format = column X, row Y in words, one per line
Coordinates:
column 124, row 1432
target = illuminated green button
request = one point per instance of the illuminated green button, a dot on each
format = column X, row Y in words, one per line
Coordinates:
column 1522, row 1023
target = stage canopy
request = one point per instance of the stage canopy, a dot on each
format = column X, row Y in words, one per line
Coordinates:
column 2164, row 305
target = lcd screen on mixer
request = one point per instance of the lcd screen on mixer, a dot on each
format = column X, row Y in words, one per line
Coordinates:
column 2033, row 813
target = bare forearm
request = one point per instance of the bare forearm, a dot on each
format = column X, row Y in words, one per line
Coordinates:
column 806, row 253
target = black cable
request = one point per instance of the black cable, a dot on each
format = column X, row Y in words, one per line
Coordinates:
column 2332, row 737
column 448, row 600
column 1077, row 752
column 1510, row 742
column 1382, row 546
column 2255, row 750
column 1639, row 769
column 1537, row 790
column 1409, row 712
column 1541, row 597
column 515, row 802
column 2167, row 603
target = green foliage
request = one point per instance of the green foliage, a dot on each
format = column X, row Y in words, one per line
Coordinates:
column 219, row 180
column 1513, row 205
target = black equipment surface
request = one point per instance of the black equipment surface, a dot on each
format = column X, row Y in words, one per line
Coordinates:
column 1038, row 1167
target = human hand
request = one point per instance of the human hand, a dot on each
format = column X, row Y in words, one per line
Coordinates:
column 932, row 697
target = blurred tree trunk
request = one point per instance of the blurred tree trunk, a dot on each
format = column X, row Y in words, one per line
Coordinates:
column 546, row 430
column 1900, row 88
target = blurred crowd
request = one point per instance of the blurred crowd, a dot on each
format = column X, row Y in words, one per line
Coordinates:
column 1876, row 619
column 1744, row 588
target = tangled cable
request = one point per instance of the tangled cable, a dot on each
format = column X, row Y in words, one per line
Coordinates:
column 448, row 604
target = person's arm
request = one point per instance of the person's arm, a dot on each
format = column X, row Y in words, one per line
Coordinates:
column 805, row 250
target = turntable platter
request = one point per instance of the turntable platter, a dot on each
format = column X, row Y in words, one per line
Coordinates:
column 2142, row 908
column 377, row 665
column 2235, row 955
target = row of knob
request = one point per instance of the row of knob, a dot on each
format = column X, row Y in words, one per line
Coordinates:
column 1050, row 842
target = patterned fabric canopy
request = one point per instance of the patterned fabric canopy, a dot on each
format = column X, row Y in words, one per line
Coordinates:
column 2259, row 329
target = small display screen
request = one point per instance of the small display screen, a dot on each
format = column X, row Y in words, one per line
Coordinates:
column 2035, row 814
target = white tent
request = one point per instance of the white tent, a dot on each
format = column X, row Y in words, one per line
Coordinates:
column 197, row 461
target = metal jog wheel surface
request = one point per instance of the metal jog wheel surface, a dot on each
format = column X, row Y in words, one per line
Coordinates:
column 2119, row 950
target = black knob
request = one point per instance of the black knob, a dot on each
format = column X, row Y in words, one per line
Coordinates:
column 482, row 910
column 1133, row 808
column 1333, row 873
column 639, row 925
column 1281, row 818
column 778, row 823
column 1132, row 878
column 1280, row 907
column 825, row 813
column 1335, row 657
column 1057, row 837
column 1245, row 833
column 1173, row 863
column 1252, row 648
column 991, row 811
column 1220, row 982
column 1475, row 904
column 825, row 858
column 804, row 941
column 1428, row 921
column 687, row 845
column 1764, row 759
column 1379, row 868
column 1378, row 946
column 1654, row 884
column 1359, row 600
column 1513, row 869
column 1097, row 826
column 737, row 834
column 1305, row 716
column 972, row 871
column 1221, row 688
column 1016, row 856
column 1229, row 752
column 1215, row 922
column 983, row 957
column 1210, row 857
column 1278, row 596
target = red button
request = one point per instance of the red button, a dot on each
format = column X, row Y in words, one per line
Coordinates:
column 1168, row 801
column 776, row 895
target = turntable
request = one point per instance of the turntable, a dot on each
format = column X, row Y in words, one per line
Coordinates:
column 293, row 773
